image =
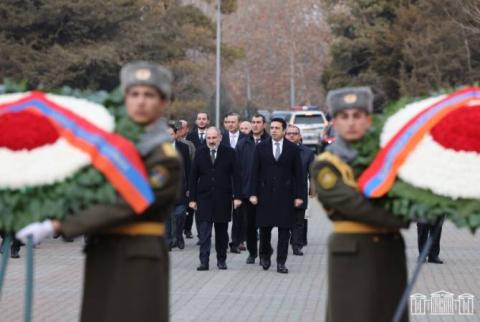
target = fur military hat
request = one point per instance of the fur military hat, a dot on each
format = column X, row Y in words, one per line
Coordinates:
column 145, row 73
column 350, row 97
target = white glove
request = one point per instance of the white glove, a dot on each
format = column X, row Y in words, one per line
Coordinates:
column 38, row 230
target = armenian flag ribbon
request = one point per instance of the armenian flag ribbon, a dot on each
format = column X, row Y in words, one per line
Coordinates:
column 113, row 155
column 380, row 176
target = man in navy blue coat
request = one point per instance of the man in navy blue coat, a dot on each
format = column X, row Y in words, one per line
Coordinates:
column 277, row 188
column 213, row 187
column 245, row 151
column 307, row 156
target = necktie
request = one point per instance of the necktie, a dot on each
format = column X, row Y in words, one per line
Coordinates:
column 277, row 151
column 201, row 137
column 257, row 141
column 212, row 156
column 232, row 141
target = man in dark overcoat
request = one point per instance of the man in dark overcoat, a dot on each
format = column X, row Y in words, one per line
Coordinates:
column 367, row 271
column 127, row 264
column 245, row 152
column 277, row 188
column 213, row 188
column 176, row 224
column 307, row 156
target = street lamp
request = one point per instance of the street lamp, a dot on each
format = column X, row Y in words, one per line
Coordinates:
column 218, row 65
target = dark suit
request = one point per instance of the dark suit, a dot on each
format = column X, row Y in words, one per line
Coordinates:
column 179, row 214
column 299, row 227
column 245, row 152
column 276, row 183
column 193, row 137
column 212, row 187
column 238, row 222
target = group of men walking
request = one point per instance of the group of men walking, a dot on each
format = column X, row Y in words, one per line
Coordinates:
column 254, row 179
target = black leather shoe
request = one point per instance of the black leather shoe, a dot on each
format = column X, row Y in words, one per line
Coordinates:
column 297, row 252
column 202, row 267
column 188, row 234
column 435, row 260
column 251, row 260
column 265, row 262
column 282, row 269
column 14, row 252
column 234, row 250
column 221, row 265
column 181, row 244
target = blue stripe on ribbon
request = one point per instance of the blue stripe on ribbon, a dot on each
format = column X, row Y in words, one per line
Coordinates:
column 400, row 143
column 103, row 146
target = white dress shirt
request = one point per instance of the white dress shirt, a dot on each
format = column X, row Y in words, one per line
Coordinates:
column 234, row 138
column 274, row 147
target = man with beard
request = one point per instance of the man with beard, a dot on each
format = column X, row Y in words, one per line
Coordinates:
column 213, row 187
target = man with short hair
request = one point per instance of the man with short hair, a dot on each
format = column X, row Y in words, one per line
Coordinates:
column 198, row 135
column 213, row 189
column 367, row 271
column 124, row 247
column 307, row 156
column 245, row 151
column 182, row 133
column 246, row 127
column 176, row 221
column 230, row 138
column 277, row 188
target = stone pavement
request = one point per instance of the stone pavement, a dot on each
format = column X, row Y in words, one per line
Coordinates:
column 243, row 292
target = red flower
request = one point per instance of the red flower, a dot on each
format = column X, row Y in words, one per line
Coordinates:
column 25, row 130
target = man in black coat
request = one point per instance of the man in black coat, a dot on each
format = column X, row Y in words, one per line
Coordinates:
column 198, row 137
column 307, row 156
column 231, row 138
column 177, row 218
column 213, row 186
column 245, row 151
column 277, row 188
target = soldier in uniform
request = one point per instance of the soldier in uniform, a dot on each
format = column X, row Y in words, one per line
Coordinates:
column 127, row 265
column 366, row 261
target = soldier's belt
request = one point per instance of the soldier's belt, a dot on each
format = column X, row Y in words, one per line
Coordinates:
column 139, row 229
column 353, row 227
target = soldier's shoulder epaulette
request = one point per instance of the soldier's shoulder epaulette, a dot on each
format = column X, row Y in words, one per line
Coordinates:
column 343, row 168
column 168, row 150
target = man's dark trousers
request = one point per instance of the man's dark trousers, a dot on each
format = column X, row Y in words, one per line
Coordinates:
column 251, row 234
column 238, row 227
column 221, row 240
column 298, row 229
column 266, row 249
column 424, row 230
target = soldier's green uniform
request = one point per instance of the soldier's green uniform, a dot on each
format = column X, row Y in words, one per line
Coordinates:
column 366, row 263
column 127, row 265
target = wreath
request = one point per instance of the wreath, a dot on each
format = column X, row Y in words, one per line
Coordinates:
column 42, row 174
column 421, row 159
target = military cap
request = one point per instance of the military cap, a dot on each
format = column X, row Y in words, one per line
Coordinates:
column 145, row 73
column 350, row 97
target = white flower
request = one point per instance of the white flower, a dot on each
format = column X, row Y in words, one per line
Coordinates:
column 446, row 172
column 50, row 163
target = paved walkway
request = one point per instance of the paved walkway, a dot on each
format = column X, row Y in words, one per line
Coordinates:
column 243, row 292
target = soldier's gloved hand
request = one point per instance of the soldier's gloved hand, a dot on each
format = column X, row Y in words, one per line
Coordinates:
column 253, row 200
column 38, row 230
